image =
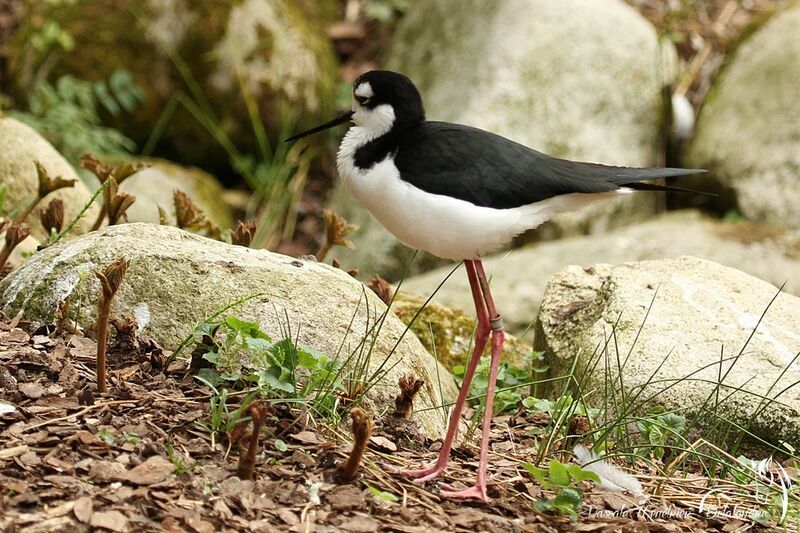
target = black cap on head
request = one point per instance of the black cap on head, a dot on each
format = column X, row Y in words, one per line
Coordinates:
column 396, row 90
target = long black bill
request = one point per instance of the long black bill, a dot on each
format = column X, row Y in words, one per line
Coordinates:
column 341, row 119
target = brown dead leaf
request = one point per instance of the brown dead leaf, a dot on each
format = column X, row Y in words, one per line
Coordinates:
column 382, row 443
column 306, row 437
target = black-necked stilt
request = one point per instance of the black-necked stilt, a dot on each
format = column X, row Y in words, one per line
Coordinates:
column 460, row 192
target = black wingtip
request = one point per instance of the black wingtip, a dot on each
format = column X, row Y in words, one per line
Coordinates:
column 644, row 186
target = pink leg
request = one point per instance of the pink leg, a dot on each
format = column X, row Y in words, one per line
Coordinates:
column 481, row 336
column 478, row 491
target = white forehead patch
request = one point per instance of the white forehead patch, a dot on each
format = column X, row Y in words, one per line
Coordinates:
column 364, row 90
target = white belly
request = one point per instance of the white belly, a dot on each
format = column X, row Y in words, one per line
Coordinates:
column 444, row 226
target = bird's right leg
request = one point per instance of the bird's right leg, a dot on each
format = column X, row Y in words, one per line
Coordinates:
column 483, row 329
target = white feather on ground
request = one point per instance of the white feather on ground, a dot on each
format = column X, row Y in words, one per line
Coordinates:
column 612, row 478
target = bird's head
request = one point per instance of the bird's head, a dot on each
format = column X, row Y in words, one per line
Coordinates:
column 382, row 101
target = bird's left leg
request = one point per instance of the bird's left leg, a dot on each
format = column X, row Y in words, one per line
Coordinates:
column 482, row 331
column 498, row 338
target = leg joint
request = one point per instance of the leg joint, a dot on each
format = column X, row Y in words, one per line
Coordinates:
column 496, row 323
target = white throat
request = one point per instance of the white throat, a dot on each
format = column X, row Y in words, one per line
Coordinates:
column 375, row 122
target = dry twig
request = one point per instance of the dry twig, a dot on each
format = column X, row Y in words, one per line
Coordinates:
column 247, row 462
column 362, row 430
column 110, row 281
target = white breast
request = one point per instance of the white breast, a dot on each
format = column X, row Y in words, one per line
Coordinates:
column 444, row 226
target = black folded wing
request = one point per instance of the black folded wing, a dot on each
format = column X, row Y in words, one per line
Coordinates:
column 492, row 171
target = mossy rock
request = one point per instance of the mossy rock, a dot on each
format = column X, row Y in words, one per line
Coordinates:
column 447, row 333
column 276, row 48
column 20, row 148
column 177, row 279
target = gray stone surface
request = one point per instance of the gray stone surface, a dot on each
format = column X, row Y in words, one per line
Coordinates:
column 748, row 132
column 699, row 310
column 569, row 78
column 20, row 147
column 154, row 186
column 519, row 278
column 177, row 279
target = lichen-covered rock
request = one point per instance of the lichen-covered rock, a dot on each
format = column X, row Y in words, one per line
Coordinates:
column 447, row 333
column 681, row 325
column 519, row 278
column 177, row 279
column 20, row 148
column 748, row 132
column 276, row 49
column 574, row 79
column 155, row 185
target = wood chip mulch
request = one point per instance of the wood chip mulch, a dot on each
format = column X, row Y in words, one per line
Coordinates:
column 138, row 459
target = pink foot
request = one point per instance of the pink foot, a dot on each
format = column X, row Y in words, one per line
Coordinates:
column 422, row 475
column 476, row 492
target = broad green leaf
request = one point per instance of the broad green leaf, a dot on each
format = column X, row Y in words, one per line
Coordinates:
column 579, row 474
column 558, row 473
column 280, row 445
column 539, row 474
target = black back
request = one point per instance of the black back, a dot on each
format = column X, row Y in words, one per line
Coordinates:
column 491, row 171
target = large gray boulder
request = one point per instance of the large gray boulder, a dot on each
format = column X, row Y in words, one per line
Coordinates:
column 573, row 79
column 748, row 132
column 519, row 278
column 177, row 279
column 679, row 327
column 20, row 147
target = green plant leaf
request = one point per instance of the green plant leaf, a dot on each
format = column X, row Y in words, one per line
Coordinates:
column 558, row 473
column 382, row 495
column 579, row 474
column 280, row 445
column 539, row 474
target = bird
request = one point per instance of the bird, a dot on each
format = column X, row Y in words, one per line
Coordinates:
column 459, row 192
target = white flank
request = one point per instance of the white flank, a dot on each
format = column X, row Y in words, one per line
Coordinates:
column 613, row 479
